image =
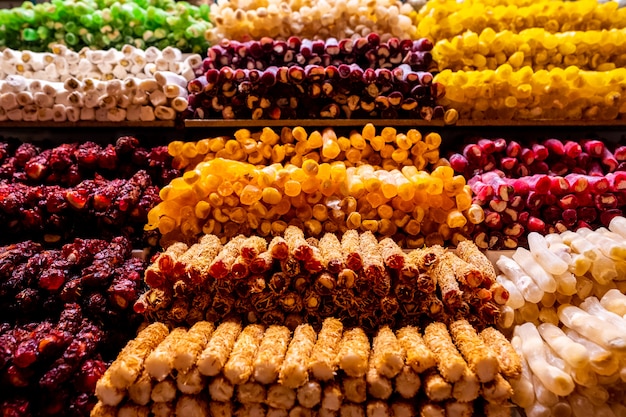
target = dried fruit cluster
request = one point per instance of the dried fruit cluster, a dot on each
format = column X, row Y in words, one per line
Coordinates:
column 65, row 314
column 595, row 157
column 93, row 208
column 315, row 79
column 51, row 367
column 256, row 370
column 546, row 187
column 544, row 204
column 226, row 198
column 68, row 164
column 356, row 278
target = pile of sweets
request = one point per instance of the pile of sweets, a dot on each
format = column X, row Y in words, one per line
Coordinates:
column 387, row 150
column 446, row 19
column 566, row 313
column 394, row 197
column 231, row 369
column 363, row 77
column 545, row 186
column 569, row 94
column 528, row 60
column 65, row 314
column 57, row 193
column 102, row 24
column 245, row 20
column 91, row 85
column 355, row 278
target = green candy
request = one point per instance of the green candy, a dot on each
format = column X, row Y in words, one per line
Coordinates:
column 100, row 24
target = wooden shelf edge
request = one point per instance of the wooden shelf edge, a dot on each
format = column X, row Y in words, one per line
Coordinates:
column 87, row 124
column 236, row 123
column 219, row 123
column 196, row 123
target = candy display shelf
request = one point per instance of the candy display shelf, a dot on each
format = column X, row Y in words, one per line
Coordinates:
column 191, row 123
column 87, row 124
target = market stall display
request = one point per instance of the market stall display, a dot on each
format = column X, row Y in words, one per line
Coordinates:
column 310, row 270
column 222, row 379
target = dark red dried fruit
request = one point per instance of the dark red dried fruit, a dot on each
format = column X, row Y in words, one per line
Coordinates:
column 90, row 372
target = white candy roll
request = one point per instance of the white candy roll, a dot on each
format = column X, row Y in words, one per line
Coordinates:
column 104, row 67
column 116, row 114
column 73, row 114
column 35, row 86
column 52, row 88
column 59, row 49
column 133, row 113
column 140, row 98
column 90, row 99
column 29, row 113
column 127, row 50
column 111, row 56
column 45, row 114
column 172, row 54
column 123, row 101
column 24, row 98
column 102, row 115
column 84, row 67
column 193, row 61
column 165, row 113
column 62, row 98
column 87, row 113
column 166, row 77
column 149, row 85
column 158, row 98
column 179, row 104
column 107, row 102
column 43, row 100
column 130, row 85
column 9, row 55
column 162, row 64
column 175, row 67
column 60, row 64
column 150, row 68
column 147, row 114
column 72, row 84
column 72, row 57
column 35, row 60
column 188, row 73
column 51, row 72
column 138, row 57
column 173, row 91
column 95, row 57
column 75, row 99
column 152, row 53
column 119, row 72
column 8, row 67
column 15, row 115
column 59, row 113
column 114, row 87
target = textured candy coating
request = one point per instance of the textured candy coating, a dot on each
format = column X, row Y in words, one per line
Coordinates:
column 240, row 365
column 271, row 354
column 294, row 372
column 324, row 360
column 213, row 358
